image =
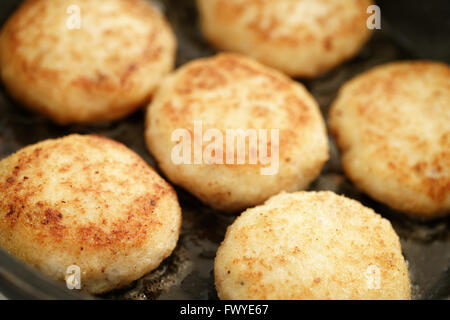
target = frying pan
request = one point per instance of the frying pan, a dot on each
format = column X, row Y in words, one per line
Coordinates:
column 410, row 30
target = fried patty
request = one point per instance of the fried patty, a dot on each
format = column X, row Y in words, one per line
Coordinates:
column 103, row 70
column 392, row 125
column 86, row 201
column 232, row 92
column 303, row 38
column 311, row 245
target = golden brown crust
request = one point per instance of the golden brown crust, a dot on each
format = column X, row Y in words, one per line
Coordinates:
column 311, row 245
column 392, row 125
column 89, row 201
column 103, row 71
column 230, row 91
column 301, row 38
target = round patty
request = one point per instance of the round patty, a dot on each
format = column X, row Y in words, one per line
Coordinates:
column 86, row 201
column 231, row 92
column 392, row 124
column 103, row 70
column 302, row 38
column 311, row 245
